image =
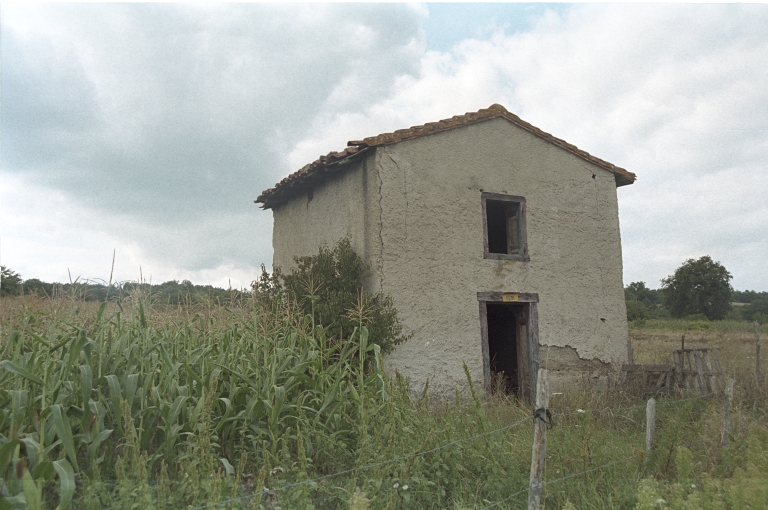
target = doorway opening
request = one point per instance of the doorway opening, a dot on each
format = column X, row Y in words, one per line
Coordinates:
column 503, row 347
column 509, row 327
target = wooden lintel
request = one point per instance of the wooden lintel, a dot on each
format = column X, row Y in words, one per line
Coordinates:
column 522, row 297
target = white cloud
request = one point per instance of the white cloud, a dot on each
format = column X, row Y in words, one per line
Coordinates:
column 161, row 123
column 675, row 94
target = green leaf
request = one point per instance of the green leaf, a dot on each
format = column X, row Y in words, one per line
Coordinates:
column 227, row 466
column 93, row 448
column 114, row 396
column 176, row 408
column 43, row 470
column 67, row 479
column 30, row 491
column 86, row 379
column 64, row 432
column 7, row 503
column 16, row 369
column 6, row 454
column 100, row 312
column 330, row 397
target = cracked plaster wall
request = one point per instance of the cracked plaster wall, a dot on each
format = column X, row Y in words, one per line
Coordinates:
column 413, row 211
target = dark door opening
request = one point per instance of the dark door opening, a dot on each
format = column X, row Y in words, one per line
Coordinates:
column 503, row 348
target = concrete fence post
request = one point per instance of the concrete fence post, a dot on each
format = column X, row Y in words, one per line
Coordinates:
column 650, row 426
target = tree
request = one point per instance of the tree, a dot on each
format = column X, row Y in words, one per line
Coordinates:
column 637, row 291
column 37, row 286
column 10, row 282
column 757, row 310
column 698, row 287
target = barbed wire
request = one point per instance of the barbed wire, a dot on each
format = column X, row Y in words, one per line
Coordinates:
column 505, row 499
column 557, row 480
column 365, row 467
column 639, row 406
column 266, row 491
column 574, row 475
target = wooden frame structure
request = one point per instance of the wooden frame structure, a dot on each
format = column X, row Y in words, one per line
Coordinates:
column 695, row 368
column 525, row 307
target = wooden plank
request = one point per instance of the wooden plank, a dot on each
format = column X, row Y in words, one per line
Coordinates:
column 524, row 231
column 502, row 198
column 710, row 373
column 647, row 368
column 533, row 344
column 484, row 346
column 522, row 297
column 523, row 363
column 678, row 368
column 700, row 369
column 695, row 384
column 513, row 229
column 718, row 366
column 486, row 246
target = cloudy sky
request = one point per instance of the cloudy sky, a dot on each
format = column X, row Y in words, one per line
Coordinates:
column 149, row 129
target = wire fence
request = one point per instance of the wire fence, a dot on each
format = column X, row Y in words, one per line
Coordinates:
column 272, row 491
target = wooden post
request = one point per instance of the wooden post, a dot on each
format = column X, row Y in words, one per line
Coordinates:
column 630, row 351
column 757, row 352
column 700, row 373
column 539, row 440
column 726, row 407
column 708, row 365
column 650, row 426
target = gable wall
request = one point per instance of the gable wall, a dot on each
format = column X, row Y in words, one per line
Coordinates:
column 345, row 205
column 432, row 249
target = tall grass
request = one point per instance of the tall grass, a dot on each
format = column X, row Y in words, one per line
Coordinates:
column 245, row 406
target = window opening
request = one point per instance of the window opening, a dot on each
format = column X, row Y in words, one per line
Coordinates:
column 504, row 225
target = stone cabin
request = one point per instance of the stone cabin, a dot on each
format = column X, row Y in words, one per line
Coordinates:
column 498, row 242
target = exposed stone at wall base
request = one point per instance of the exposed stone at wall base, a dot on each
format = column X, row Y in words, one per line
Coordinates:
column 567, row 370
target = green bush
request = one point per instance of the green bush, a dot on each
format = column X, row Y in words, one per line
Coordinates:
column 329, row 287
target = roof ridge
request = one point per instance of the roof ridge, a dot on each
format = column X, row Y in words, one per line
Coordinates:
column 323, row 164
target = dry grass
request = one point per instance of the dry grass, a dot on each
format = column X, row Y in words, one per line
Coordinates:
column 735, row 349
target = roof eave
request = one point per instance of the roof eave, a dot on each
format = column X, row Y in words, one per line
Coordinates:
column 306, row 178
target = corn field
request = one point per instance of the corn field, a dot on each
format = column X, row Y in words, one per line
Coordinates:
column 129, row 405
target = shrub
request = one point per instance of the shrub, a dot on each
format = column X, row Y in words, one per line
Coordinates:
column 329, row 287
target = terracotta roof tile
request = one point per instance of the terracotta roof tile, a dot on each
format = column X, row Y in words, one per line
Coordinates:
column 334, row 161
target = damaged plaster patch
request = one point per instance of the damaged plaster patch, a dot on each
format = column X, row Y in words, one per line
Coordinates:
column 567, row 358
column 567, row 370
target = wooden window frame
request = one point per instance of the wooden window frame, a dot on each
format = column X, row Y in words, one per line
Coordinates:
column 522, row 231
column 530, row 347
